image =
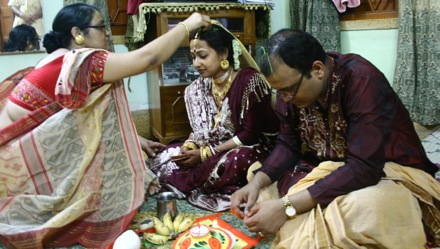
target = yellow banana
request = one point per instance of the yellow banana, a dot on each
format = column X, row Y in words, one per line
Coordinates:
column 156, row 238
column 146, row 224
column 160, row 227
column 185, row 225
column 177, row 221
column 168, row 222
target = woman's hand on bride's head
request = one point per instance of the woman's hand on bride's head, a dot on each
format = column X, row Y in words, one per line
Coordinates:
column 196, row 21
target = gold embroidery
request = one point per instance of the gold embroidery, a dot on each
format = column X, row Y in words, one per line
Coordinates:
column 324, row 130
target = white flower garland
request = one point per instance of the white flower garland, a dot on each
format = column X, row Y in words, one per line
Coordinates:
column 237, row 52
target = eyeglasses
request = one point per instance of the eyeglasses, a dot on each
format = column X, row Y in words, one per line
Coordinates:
column 101, row 27
column 288, row 96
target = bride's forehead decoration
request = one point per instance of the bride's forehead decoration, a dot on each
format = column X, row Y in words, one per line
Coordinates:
column 196, row 41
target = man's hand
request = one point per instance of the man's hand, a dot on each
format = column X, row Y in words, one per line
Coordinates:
column 244, row 197
column 248, row 195
column 150, row 147
column 266, row 217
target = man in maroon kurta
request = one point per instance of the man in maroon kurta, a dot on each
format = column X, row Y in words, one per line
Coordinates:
column 338, row 108
column 361, row 121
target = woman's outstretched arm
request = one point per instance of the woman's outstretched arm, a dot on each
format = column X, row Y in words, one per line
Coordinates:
column 151, row 55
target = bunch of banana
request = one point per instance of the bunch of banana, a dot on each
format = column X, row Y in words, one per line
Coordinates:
column 156, row 238
column 167, row 229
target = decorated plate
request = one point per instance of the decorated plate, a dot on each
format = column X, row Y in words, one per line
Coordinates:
column 204, row 237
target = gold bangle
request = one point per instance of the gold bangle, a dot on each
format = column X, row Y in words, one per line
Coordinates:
column 208, row 151
column 186, row 27
column 189, row 145
column 205, row 153
column 202, row 154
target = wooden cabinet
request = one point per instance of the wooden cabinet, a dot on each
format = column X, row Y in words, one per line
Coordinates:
column 117, row 11
column 167, row 83
column 372, row 9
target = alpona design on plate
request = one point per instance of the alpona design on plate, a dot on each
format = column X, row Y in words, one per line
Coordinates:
column 201, row 236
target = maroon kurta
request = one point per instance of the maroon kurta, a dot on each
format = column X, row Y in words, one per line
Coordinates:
column 362, row 122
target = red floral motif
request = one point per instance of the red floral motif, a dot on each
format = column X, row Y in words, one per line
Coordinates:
column 97, row 65
column 32, row 96
column 214, row 243
column 185, row 243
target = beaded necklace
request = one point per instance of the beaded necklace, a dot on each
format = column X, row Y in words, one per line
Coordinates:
column 222, row 79
column 219, row 94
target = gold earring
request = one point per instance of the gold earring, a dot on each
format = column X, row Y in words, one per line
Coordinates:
column 224, row 64
column 79, row 39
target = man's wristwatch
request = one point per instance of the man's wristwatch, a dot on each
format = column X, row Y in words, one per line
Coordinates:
column 289, row 209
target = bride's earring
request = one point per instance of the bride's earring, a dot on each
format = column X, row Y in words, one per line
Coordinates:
column 224, row 64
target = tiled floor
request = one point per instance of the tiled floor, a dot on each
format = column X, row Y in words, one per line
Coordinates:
column 432, row 146
column 430, row 136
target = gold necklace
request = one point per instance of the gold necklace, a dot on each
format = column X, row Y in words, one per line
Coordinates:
column 219, row 95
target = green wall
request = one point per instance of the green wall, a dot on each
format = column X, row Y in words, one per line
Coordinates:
column 377, row 45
